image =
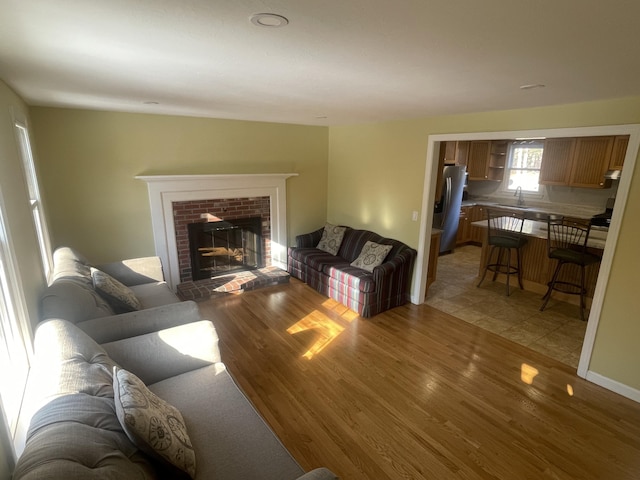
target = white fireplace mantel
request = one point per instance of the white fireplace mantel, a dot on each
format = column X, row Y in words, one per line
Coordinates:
column 164, row 190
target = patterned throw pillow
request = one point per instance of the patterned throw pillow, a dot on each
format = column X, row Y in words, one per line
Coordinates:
column 119, row 296
column 153, row 425
column 331, row 239
column 372, row 255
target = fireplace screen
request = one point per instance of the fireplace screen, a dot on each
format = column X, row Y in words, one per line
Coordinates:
column 220, row 248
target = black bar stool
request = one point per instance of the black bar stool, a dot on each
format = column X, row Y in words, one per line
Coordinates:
column 567, row 243
column 504, row 235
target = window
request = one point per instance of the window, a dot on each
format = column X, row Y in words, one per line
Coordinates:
column 523, row 166
column 34, row 197
column 14, row 358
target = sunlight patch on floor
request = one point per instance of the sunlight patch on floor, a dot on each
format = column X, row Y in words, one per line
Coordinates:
column 327, row 329
column 528, row 373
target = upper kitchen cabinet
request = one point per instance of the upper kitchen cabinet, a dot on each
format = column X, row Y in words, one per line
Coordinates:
column 591, row 159
column 557, row 155
column 454, row 153
column 478, row 161
column 487, row 160
column 619, row 151
column 462, row 152
column 578, row 162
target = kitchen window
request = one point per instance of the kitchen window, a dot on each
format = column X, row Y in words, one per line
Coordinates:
column 523, row 166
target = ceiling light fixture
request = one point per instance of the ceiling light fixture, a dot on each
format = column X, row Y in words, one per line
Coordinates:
column 151, row 102
column 532, row 86
column 270, row 20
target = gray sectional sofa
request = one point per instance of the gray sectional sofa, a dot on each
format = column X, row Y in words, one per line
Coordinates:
column 72, row 424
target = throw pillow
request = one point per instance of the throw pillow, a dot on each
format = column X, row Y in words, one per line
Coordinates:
column 153, row 425
column 119, row 296
column 372, row 255
column 331, row 239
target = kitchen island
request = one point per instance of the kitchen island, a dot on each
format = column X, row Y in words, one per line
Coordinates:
column 537, row 269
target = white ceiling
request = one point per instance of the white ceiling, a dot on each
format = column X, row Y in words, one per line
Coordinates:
column 337, row 62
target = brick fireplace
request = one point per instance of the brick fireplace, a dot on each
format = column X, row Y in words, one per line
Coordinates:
column 165, row 190
column 226, row 209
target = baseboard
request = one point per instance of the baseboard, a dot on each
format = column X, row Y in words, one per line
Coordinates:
column 614, row 386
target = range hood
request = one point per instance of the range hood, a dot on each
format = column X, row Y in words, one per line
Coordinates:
column 613, row 174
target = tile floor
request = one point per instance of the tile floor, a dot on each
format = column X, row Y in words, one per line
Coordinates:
column 557, row 332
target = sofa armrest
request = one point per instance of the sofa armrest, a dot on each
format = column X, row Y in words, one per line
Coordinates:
column 125, row 325
column 135, row 271
column 319, row 474
column 397, row 268
column 309, row 240
column 164, row 354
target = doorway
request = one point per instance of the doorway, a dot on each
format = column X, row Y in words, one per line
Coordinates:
column 420, row 274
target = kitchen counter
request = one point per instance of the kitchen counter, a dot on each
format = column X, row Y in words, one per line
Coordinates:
column 535, row 208
column 538, row 229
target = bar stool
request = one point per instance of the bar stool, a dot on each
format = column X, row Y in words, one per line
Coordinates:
column 504, row 235
column 567, row 243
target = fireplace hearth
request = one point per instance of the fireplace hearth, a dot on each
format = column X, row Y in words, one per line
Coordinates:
column 225, row 246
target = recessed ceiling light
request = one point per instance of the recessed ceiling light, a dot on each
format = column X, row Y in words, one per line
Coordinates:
column 321, row 116
column 532, row 86
column 270, row 20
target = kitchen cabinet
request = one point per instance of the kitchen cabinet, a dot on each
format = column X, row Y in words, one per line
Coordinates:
column 577, row 162
column 477, row 234
column 620, row 144
column 464, row 224
column 478, row 161
column 487, row 160
column 462, row 152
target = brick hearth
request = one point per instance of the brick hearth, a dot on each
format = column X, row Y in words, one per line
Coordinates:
column 232, row 283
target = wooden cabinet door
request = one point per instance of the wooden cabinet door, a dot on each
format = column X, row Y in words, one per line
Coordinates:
column 434, row 250
column 555, row 168
column 463, row 226
column 591, row 159
column 477, row 214
column 619, row 151
column 462, row 152
column 478, row 162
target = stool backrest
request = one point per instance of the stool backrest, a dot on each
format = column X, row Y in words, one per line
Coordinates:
column 568, row 233
column 504, row 224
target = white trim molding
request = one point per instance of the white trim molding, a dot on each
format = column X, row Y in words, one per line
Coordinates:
column 166, row 189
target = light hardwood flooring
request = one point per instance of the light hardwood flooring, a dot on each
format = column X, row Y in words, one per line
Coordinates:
column 557, row 331
column 415, row 393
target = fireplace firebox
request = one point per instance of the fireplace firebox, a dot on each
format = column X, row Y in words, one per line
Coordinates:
column 225, row 246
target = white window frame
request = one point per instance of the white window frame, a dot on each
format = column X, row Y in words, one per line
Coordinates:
column 35, row 199
column 15, row 349
column 508, row 167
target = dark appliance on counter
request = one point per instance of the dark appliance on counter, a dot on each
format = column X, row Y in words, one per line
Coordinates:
column 604, row 219
column 447, row 209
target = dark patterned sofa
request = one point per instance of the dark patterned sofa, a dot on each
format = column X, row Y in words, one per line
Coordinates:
column 368, row 293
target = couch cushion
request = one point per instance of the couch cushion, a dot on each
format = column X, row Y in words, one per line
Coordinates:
column 352, row 277
column 331, row 240
column 79, row 436
column 372, row 255
column 230, row 438
column 119, row 296
column 151, row 423
column 154, row 294
column 73, row 299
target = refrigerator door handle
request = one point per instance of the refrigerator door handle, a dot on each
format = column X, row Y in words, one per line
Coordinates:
column 447, row 200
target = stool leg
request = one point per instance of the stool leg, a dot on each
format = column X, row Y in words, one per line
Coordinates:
column 486, row 265
column 582, row 292
column 552, row 283
column 508, row 269
column 498, row 262
column 519, row 271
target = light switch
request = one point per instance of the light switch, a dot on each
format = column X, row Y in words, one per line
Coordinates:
column 414, row 216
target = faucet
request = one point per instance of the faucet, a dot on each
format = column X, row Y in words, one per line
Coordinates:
column 519, row 195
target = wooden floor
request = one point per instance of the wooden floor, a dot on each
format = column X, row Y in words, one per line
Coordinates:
column 415, row 393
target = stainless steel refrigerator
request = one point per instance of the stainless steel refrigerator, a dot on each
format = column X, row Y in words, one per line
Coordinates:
column 447, row 209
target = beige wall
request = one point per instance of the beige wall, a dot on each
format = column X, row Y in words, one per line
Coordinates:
column 376, row 175
column 19, row 224
column 89, row 160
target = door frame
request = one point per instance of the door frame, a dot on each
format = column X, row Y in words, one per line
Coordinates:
column 426, row 217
